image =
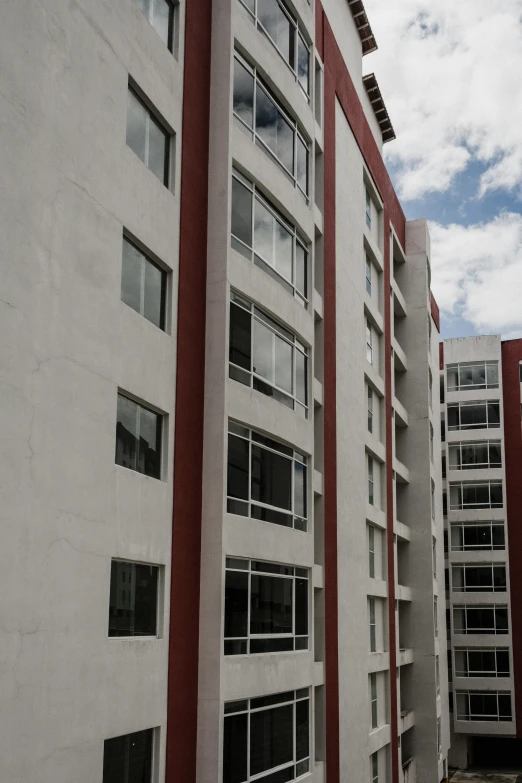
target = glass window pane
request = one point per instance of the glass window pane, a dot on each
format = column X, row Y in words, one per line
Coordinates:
column 493, row 414
column 161, row 18
column 239, row 351
column 149, row 445
column 270, row 605
column 243, row 93
column 131, row 269
column 154, row 293
column 303, row 65
column 271, row 478
column 278, row 27
column 498, row 537
column 274, row 130
column 241, row 212
column 301, row 269
column 271, row 738
column 301, row 607
column 283, row 251
column 126, row 433
column 283, row 364
column 237, row 475
column 128, row 759
column 300, row 500
column 264, row 226
column 263, row 349
column 157, row 150
column 302, row 730
column 136, row 125
column 301, row 377
column 302, row 165
column 236, row 604
column 235, row 748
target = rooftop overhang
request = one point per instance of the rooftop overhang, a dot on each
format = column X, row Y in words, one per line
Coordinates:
column 364, row 29
column 379, row 109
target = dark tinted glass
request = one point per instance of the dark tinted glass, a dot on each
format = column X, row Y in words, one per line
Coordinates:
column 496, row 494
column 133, row 599
column 128, row 759
column 498, row 537
column 154, row 293
column 158, row 146
column 493, row 414
column 271, row 644
column 501, row 617
column 235, row 749
column 270, row 605
column 236, row 604
column 274, row 130
column 138, row 437
column 271, row 478
column 502, row 662
column 504, row 706
column 481, row 661
column 301, row 607
column 243, row 93
column 495, row 455
column 240, row 337
column 269, row 515
column 241, row 212
column 237, row 475
column 300, row 269
column 271, row 738
column 302, row 730
column 142, row 284
column 300, row 490
column 453, row 417
column 499, row 577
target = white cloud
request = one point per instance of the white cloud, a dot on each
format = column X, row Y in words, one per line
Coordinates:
column 450, row 72
column 477, row 273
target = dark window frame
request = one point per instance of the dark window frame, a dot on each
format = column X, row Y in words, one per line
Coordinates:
column 164, row 280
column 118, row 633
column 159, row 438
column 155, row 117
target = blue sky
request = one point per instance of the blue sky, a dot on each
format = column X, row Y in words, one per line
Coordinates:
column 450, row 76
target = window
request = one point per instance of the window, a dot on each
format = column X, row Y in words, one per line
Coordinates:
column 266, row 479
column 274, row 19
column 430, row 378
column 431, row 441
column 475, row 455
column 486, row 577
column 143, row 284
column 450, row 666
column 439, row 737
column 435, row 617
column 469, row 536
column 481, row 494
column 264, row 236
column 133, row 602
column 371, row 550
column 266, row 607
column 370, row 409
column 138, row 437
column 489, row 706
column 480, row 619
column 437, row 674
column 373, row 701
column 160, row 14
column 368, row 276
column 258, row 113
column 472, row 375
column 434, row 555
column 482, row 662
column 265, row 734
column 128, row 759
column 370, row 481
column 266, row 356
column 374, row 767
column 373, row 625
column 368, row 210
column 473, row 415
column 369, row 342
column 147, row 137
column 432, row 500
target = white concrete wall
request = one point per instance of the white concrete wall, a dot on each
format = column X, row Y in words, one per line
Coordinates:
column 69, row 187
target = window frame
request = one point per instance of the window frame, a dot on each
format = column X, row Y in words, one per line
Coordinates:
column 235, row 429
column 298, row 134
column 468, row 568
column 372, row 623
column 299, row 32
column 368, row 209
column 370, row 396
column 371, row 551
column 467, row 672
column 160, row 436
column 462, row 505
column 371, row 480
column 152, row 116
column 369, row 342
column 463, row 526
column 374, row 702
column 469, row 628
column 156, row 634
column 482, row 425
column 251, row 253
column 152, row 741
column 169, row 43
column 250, row 706
column 457, row 367
column 374, row 766
column 461, row 465
column 240, row 374
column 294, row 573
column 127, row 238
column 482, row 717
column 368, row 274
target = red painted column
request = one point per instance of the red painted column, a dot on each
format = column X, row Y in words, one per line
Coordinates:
column 330, row 419
column 190, row 377
column 511, row 357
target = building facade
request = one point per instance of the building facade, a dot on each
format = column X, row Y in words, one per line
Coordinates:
column 222, row 537
column 483, row 446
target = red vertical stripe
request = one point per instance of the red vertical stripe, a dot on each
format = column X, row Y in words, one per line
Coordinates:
column 511, row 356
column 190, row 377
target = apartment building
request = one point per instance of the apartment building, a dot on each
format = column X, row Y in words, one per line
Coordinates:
column 481, row 386
column 221, row 549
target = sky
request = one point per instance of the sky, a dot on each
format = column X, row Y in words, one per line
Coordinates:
column 450, row 72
